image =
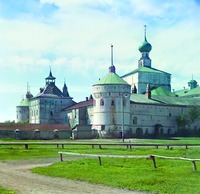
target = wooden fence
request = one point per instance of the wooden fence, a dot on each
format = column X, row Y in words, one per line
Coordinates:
column 99, row 145
column 151, row 157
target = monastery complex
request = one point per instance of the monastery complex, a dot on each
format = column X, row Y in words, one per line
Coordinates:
column 137, row 104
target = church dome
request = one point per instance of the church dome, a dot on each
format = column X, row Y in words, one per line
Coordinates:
column 145, row 46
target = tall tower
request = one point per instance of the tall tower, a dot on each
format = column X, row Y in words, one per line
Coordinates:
column 65, row 90
column 111, row 106
column 144, row 48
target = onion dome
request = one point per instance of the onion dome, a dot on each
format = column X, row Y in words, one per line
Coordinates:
column 145, row 46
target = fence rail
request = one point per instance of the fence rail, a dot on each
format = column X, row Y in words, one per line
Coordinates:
column 151, row 157
column 100, row 145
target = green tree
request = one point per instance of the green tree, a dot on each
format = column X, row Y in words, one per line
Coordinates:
column 182, row 121
column 193, row 114
column 9, row 121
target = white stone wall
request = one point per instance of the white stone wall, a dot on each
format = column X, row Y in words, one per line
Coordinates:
column 48, row 110
column 150, row 115
column 22, row 113
column 141, row 79
column 109, row 116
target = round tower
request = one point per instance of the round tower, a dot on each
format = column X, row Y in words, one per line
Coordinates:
column 23, row 108
column 111, row 104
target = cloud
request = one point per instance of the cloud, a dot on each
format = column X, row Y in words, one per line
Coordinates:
column 24, row 9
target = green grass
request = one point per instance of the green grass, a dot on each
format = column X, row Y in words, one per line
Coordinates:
column 134, row 174
column 177, row 177
column 4, row 191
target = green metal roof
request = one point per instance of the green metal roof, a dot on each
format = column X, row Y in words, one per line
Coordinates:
column 160, row 91
column 181, row 92
column 111, row 78
column 24, row 102
column 145, row 69
column 165, row 100
column 142, row 98
column 192, row 92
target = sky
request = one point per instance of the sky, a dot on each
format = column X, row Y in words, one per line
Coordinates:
column 73, row 37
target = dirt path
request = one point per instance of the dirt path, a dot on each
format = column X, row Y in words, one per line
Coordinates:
column 15, row 175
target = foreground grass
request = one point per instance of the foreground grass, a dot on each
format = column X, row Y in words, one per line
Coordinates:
column 4, row 191
column 134, row 174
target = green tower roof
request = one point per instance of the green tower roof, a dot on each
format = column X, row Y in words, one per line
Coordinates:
column 24, row 102
column 145, row 46
column 111, row 78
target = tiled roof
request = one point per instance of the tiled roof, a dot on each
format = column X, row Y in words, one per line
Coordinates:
column 145, row 69
column 111, row 78
column 51, row 90
column 27, row 127
column 81, row 104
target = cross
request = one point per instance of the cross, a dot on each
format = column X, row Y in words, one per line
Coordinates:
column 145, row 28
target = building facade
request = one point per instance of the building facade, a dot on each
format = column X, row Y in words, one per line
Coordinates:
column 46, row 107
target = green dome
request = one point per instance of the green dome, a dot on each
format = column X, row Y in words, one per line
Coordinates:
column 24, row 102
column 111, row 79
column 145, row 47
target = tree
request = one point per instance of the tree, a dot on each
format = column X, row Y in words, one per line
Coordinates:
column 194, row 113
column 9, row 121
column 182, row 121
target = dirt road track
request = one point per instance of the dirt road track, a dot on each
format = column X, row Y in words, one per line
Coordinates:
column 15, row 175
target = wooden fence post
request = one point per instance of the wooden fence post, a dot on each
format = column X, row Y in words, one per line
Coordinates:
column 154, row 161
column 194, row 165
column 61, row 157
column 26, row 146
column 100, row 161
column 62, row 146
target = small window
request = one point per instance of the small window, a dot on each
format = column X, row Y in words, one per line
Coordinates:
column 135, row 120
column 101, row 102
column 113, row 103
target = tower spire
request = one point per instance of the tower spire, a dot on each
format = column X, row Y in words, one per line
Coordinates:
column 111, row 55
column 112, row 67
column 145, row 32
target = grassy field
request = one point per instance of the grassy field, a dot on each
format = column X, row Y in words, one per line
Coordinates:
column 135, row 174
column 4, row 191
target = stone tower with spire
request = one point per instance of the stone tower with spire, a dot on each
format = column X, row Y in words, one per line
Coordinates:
column 22, row 109
column 145, row 74
column 46, row 107
column 111, row 106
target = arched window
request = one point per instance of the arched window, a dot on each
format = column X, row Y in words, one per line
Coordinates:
column 101, row 102
column 94, row 102
column 135, row 120
column 113, row 103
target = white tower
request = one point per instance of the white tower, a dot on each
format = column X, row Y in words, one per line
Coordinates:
column 111, row 104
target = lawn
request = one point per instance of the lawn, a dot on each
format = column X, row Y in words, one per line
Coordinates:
column 170, row 176
column 4, row 191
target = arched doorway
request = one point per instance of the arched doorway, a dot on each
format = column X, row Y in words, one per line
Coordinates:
column 139, row 132
column 158, row 130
